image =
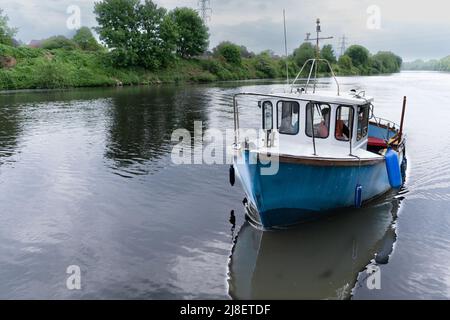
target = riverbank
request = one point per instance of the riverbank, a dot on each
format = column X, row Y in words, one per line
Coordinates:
column 428, row 65
column 36, row 68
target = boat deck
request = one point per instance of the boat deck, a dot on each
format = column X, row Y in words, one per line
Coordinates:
column 326, row 152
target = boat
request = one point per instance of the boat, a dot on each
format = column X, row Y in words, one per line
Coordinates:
column 317, row 151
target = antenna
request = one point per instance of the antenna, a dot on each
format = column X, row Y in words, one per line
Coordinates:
column 204, row 7
column 308, row 38
column 285, row 47
column 318, row 30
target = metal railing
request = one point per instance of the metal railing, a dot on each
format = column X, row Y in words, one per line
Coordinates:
column 314, row 62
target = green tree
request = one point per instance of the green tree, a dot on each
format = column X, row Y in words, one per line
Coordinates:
column 376, row 65
column 85, row 40
column 229, row 51
column 345, row 63
column 303, row 53
column 119, row 29
column 327, row 53
column 138, row 34
column 157, row 41
column 386, row 62
column 265, row 64
column 192, row 34
column 58, row 42
column 6, row 33
column 359, row 56
column 245, row 53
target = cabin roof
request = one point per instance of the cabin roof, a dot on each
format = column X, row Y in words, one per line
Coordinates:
column 327, row 97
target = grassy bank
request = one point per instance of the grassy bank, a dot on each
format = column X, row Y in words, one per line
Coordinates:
column 39, row 68
column 35, row 68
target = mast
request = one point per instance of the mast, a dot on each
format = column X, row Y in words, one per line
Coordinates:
column 317, row 39
column 285, row 47
column 315, row 61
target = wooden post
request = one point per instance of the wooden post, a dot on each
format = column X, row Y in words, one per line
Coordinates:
column 402, row 119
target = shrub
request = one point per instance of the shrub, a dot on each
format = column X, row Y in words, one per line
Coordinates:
column 229, row 51
column 59, row 42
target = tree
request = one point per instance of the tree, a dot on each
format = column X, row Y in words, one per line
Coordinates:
column 119, row 27
column 192, row 34
column 359, row 56
column 6, row 33
column 327, row 53
column 245, row 53
column 345, row 63
column 158, row 35
column 229, row 51
column 265, row 64
column 303, row 53
column 376, row 65
column 386, row 62
column 138, row 34
column 58, row 42
column 85, row 40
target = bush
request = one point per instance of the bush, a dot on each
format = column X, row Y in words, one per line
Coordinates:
column 345, row 62
column 49, row 75
column 85, row 40
column 59, row 42
column 266, row 65
column 305, row 52
column 229, row 51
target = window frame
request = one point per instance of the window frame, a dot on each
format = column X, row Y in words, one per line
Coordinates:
column 350, row 125
column 367, row 106
column 263, row 106
column 298, row 118
column 306, row 119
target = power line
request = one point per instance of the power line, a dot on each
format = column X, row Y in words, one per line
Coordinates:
column 204, row 8
column 342, row 45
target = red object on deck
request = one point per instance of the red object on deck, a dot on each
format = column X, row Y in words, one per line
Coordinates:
column 376, row 142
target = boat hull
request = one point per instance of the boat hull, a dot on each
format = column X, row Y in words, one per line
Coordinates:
column 309, row 190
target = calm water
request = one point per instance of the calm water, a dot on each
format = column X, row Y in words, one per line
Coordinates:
column 86, row 179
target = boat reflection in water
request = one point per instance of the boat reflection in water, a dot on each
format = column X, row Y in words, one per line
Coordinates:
column 317, row 260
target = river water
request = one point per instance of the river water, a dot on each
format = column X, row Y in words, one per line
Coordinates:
column 86, row 179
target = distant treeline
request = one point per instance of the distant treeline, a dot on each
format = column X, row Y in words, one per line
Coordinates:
column 142, row 43
column 432, row 65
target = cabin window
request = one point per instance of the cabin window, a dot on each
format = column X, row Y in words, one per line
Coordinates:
column 288, row 117
column 363, row 122
column 344, row 116
column 320, row 114
column 267, row 110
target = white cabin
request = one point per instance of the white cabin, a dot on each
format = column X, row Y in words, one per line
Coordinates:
column 341, row 125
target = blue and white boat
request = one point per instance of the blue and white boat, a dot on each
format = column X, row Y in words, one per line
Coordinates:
column 319, row 151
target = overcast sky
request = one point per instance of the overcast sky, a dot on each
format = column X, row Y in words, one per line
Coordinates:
column 412, row 29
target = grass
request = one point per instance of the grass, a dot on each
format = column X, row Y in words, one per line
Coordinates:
column 44, row 69
column 61, row 68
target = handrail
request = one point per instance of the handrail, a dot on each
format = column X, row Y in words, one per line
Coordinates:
column 312, row 127
column 382, row 121
column 298, row 75
column 315, row 62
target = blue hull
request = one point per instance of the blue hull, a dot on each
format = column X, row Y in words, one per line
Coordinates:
column 301, row 191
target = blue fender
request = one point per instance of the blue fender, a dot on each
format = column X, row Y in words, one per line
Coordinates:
column 393, row 169
column 358, row 196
